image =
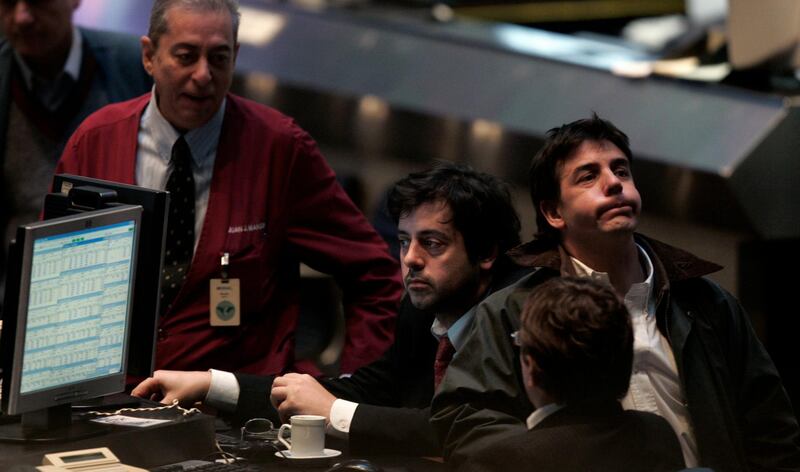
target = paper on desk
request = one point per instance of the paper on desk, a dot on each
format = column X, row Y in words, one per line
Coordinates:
column 121, row 420
column 687, row 68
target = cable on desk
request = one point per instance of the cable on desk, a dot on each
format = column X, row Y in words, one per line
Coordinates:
column 174, row 405
column 223, row 455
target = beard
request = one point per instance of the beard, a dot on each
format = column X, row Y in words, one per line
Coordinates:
column 432, row 297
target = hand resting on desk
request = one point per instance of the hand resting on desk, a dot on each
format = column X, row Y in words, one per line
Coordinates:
column 300, row 394
column 167, row 385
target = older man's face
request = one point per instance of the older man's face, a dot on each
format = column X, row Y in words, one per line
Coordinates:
column 39, row 30
column 192, row 65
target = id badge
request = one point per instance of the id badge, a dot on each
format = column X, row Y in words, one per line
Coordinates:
column 224, row 302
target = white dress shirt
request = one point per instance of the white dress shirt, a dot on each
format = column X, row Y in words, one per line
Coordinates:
column 541, row 413
column 655, row 385
column 156, row 138
column 223, row 393
column 53, row 92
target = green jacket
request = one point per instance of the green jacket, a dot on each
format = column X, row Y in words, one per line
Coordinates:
column 740, row 412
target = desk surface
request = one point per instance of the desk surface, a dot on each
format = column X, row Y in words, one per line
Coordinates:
column 387, row 463
column 191, row 437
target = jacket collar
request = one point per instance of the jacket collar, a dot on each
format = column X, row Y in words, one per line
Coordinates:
column 670, row 263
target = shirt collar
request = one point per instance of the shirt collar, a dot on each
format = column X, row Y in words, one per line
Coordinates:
column 202, row 141
column 457, row 332
column 639, row 294
column 72, row 67
column 541, row 413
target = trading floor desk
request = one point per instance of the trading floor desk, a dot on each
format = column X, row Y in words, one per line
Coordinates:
column 180, row 438
column 272, row 461
column 172, row 438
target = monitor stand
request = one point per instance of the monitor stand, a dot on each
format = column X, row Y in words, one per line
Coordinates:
column 108, row 402
column 49, row 425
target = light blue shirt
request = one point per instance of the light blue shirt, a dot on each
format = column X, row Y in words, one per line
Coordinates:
column 155, row 141
column 457, row 332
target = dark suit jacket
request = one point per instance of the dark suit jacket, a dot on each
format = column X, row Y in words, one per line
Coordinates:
column 394, row 392
column 591, row 439
column 119, row 76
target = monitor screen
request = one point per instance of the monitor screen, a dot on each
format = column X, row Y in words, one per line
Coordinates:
column 77, row 306
column 65, row 335
column 155, row 206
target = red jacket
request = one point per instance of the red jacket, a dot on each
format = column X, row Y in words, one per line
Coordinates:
column 273, row 202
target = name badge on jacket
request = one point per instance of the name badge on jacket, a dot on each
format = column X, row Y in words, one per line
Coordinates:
column 224, row 298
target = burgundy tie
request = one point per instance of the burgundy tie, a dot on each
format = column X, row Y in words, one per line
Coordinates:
column 443, row 356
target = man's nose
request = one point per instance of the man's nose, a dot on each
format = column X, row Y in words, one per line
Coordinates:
column 202, row 72
column 613, row 184
column 22, row 13
column 413, row 258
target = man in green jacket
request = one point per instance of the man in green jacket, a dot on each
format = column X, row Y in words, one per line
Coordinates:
column 697, row 362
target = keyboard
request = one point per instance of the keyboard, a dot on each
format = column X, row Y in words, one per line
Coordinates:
column 205, row 466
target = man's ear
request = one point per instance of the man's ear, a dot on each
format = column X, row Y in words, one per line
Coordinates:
column 487, row 262
column 551, row 212
column 528, row 370
column 148, row 52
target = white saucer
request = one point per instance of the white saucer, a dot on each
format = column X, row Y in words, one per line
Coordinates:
column 326, row 454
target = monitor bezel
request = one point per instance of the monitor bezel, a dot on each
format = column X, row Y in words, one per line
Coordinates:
column 13, row 401
column 141, row 358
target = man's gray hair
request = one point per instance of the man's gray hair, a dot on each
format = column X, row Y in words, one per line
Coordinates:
column 158, row 15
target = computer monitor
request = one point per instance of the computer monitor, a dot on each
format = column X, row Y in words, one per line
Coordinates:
column 74, row 194
column 66, row 324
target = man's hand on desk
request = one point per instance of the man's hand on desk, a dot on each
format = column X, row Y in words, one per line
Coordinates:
column 300, row 394
column 167, row 385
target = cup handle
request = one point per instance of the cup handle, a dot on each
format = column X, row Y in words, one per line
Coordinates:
column 283, row 441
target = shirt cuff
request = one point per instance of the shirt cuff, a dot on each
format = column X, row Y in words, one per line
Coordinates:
column 341, row 415
column 223, row 393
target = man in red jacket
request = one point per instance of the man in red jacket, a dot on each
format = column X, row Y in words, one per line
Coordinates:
column 246, row 182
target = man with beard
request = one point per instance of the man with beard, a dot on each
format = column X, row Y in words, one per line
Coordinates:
column 454, row 225
column 697, row 362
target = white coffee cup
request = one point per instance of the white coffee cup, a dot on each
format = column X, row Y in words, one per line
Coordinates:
column 307, row 437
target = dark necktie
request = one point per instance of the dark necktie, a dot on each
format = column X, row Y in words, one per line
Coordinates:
column 180, row 225
column 444, row 353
